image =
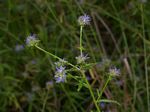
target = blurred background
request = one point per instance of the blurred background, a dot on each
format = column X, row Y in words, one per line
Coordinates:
column 119, row 35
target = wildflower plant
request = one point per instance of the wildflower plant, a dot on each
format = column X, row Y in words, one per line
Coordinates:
column 63, row 67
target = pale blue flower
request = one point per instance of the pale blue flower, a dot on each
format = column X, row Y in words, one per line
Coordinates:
column 32, row 40
column 114, row 71
column 60, row 74
column 81, row 58
column 84, row 20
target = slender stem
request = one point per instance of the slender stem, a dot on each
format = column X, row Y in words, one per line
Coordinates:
column 91, row 92
column 101, row 92
column 48, row 52
column 145, row 60
column 45, row 100
column 54, row 56
column 81, row 31
column 82, row 72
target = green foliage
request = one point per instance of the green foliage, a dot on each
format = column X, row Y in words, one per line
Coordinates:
column 119, row 31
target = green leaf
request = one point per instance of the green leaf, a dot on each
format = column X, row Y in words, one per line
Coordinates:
column 109, row 101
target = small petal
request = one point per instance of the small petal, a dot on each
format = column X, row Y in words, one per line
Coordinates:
column 60, row 69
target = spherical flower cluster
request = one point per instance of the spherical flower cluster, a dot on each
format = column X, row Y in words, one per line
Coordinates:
column 84, row 20
column 60, row 74
column 32, row 40
column 81, row 59
column 114, row 71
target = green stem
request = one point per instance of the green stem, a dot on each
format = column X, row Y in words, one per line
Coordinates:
column 145, row 60
column 45, row 100
column 91, row 92
column 81, row 48
column 54, row 56
column 101, row 92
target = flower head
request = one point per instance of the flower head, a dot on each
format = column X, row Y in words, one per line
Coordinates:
column 19, row 48
column 114, row 71
column 60, row 74
column 32, row 40
column 81, row 59
column 60, row 63
column 49, row 84
column 84, row 20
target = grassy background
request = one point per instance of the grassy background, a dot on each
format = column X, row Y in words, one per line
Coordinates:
column 119, row 31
